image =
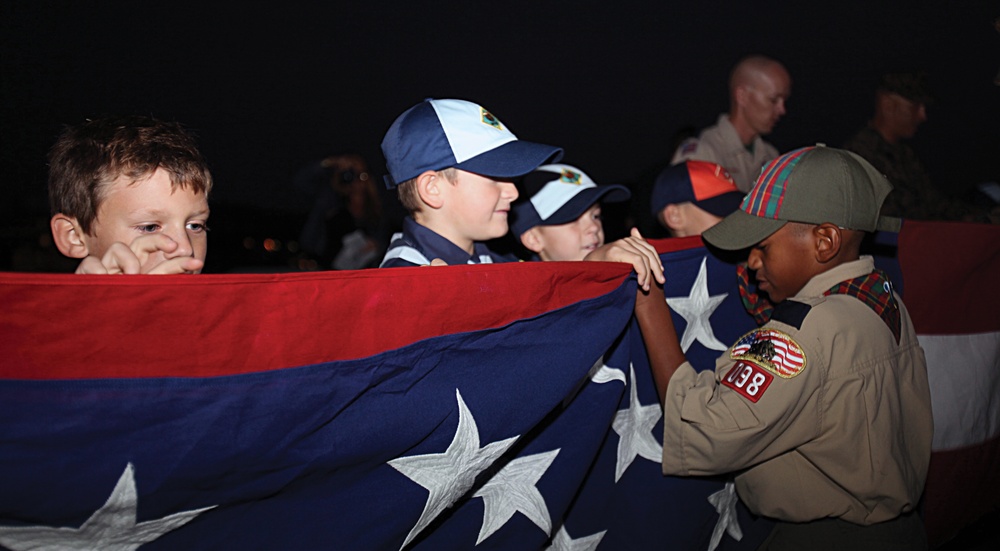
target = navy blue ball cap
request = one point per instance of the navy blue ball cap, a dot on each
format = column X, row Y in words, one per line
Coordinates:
column 557, row 194
column 438, row 134
column 707, row 185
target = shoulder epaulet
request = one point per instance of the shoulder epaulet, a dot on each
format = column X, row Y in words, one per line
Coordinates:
column 791, row 312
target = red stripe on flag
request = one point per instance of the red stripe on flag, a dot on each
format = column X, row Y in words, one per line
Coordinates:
column 674, row 244
column 962, row 486
column 950, row 275
column 231, row 324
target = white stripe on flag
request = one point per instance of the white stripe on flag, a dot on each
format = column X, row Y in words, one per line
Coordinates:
column 964, row 376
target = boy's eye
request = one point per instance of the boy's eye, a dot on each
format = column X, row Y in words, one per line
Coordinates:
column 197, row 227
column 148, row 228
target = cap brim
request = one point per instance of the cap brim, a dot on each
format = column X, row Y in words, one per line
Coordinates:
column 511, row 160
column 740, row 230
column 524, row 216
column 889, row 223
column 583, row 201
column 721, row 205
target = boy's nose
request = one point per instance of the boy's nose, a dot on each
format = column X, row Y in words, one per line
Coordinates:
column 508, row 190
column 184, row 247
column 753, row 259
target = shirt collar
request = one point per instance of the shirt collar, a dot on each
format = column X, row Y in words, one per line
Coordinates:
column 433, row 245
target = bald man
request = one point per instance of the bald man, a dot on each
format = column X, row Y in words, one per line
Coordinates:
column 758, row 89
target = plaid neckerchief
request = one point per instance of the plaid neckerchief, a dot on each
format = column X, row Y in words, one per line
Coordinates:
column 874, row 290
column 757, row 306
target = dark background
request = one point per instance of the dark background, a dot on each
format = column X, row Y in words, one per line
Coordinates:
column 271, row 87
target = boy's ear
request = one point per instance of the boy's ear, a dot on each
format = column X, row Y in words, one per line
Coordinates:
column 430, row 188
column 828, row 241
column 532, row 240
column 673, row 217
column 68, row 236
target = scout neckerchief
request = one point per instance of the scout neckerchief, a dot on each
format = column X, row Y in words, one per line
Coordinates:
column 874, row 290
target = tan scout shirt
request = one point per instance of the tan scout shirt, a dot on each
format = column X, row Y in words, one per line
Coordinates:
column 844, row 431
column 721, row 145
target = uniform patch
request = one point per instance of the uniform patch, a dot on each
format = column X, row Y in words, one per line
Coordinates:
column 772, row 350
column 689, row 146
column 749, row 380
column 489, row 119
column 569, row 177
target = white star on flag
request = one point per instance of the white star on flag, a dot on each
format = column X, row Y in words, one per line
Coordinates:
column 696, row 308
column 635, row 429
column 562, row 541
column 599, row 373
column 725, row 503
column 449, row 475
column 113, row 527
column 513, row 490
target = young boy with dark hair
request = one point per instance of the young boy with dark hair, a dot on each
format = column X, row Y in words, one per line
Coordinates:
column 454, row 164
column 129, row 195
column 823, row 411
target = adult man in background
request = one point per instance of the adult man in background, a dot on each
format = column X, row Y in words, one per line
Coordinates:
column 901, row 101
column 758, row 89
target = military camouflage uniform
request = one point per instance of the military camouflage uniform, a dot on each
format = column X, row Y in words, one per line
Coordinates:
column 914, row 195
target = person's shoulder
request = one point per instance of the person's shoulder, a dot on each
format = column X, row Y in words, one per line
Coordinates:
column 684, row 151
column 403, row 252
column 702, row 148
column 862, row 141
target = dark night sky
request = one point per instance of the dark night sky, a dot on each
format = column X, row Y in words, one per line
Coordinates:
column 268, row 89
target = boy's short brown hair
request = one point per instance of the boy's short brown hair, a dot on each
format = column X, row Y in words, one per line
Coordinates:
column 407, row 190
column 88, row 157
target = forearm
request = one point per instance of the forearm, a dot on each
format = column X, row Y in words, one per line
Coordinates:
column 659, row 336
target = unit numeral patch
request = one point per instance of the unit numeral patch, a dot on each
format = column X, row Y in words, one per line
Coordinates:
column 749, row 380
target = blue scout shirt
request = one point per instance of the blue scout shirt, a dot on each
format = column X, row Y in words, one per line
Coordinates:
column 417, row 245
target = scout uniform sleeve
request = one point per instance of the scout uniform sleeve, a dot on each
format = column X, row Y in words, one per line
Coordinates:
column 762, row 400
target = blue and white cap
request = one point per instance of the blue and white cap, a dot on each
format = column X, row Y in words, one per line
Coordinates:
column 441, row 133
column 559, row 194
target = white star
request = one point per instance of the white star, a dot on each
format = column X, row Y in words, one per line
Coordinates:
column 512, row 490
column 112, row 527
column 562, row 541
column 635, row 429
column 725, row 503
column 599, row 373
column 449, row 475
column 696, row 308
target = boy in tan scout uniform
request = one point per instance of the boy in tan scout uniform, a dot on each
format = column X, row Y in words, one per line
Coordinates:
column 824, row 411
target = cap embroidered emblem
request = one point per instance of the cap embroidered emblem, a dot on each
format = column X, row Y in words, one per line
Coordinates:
column 489, row 119
column 570, row 177
column 772, row 350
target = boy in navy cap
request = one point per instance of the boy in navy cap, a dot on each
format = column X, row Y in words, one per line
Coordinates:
column 561, row 219
column 453, row 164
column 824, row 411
column 690, row 197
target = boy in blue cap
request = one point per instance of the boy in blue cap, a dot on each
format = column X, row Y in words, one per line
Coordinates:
column 690, row 197
column 454, row 164
column 561, row 218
